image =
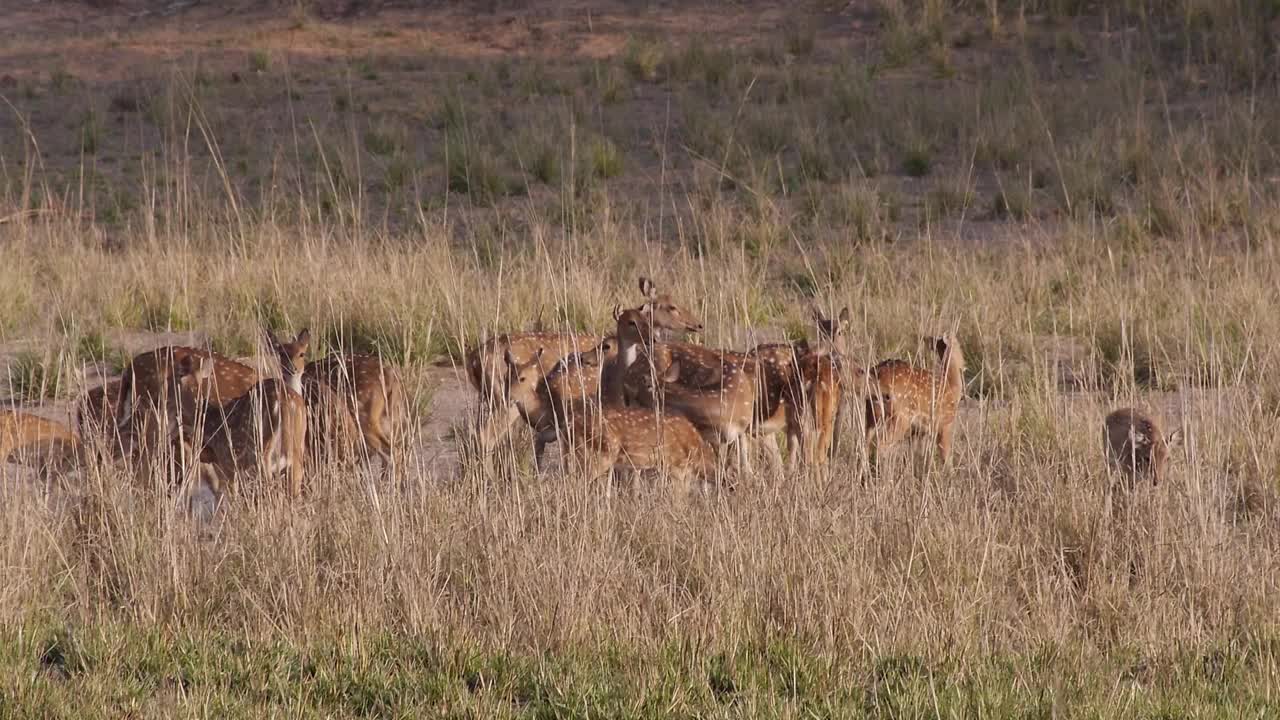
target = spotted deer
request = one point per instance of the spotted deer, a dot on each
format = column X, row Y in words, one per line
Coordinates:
column 358, row 401
column 263, row 431
column 45, row 444
column 602, row 438
column 812, row 406
column 485, row 364
column 666, row 316
column 1136, row 444
column 800, row 389
column 901, row 399
column 157, row 417
column 547, row 399
column 714, row 390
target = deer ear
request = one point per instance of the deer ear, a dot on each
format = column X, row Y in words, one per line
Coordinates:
column 1174, row 439
column 617, row 312
column 845, row 315
column 816, row 312
column 940, row 345
column 648, row 288
column 304, row 338
column 511, row 359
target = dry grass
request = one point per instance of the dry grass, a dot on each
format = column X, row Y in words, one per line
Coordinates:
column 1098, row 235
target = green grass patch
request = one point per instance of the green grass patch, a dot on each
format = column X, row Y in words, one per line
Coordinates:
column 115, row 670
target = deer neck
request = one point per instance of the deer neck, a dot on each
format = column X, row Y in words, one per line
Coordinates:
column 951, row 373
column 631, row 343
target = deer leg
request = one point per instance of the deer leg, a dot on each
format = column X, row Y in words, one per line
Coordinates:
column 540, row 441
column 797, row 440
column 884, row 436
column 744, row 455
column 837, row 429
column 773, row 454
column 495, row 425
column 944, row 443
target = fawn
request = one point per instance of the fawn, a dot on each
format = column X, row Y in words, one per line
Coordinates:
column 902, row 399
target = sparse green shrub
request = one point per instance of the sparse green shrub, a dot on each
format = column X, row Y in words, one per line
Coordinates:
column 644, row 59
column 700, row 61
column 799, row 38
column 606, row 158
column 33, row 377
column 90, row 133
column 473, row 169
column 917, row 161
column 546, row 164
column 259, row 60
column 380, row 141
column 61, row 81
column 399, row 173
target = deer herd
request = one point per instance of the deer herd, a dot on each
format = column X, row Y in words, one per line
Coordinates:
column 639, row 399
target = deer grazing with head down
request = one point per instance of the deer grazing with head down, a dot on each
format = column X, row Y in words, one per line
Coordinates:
column 1137, row 445
column 901, row 399
column 262, row 432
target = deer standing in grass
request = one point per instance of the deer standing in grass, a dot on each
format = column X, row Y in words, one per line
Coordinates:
column 666, row 314
column 603, row 437
column 48, row 445
column 356, row 401
column 799, row 391
column 156, row 417
column 547, row 406
column 262, row 431
column 486, row 367
column 715, row 390
column 1137, row 445
column 902, row 399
